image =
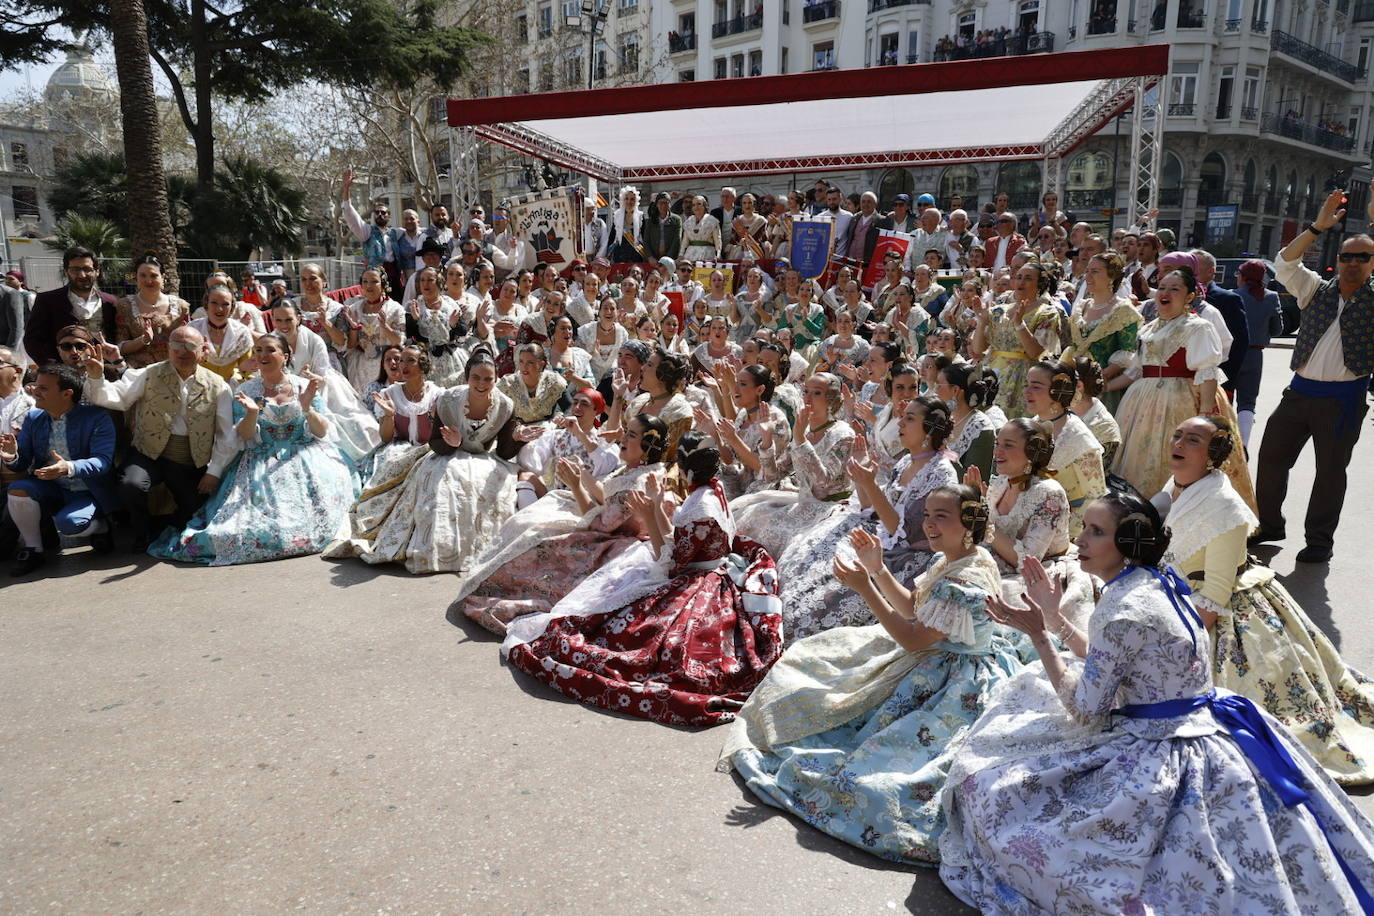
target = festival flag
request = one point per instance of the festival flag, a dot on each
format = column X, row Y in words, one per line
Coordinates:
column 889, row 240
column 810, row 252
column 548, row 220
column 677, row 304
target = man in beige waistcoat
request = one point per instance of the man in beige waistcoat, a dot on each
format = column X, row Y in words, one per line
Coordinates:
column 183, row 422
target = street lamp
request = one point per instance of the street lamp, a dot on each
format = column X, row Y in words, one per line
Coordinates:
column 594, row 16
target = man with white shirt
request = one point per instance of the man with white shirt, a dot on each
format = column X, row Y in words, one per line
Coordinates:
column 380, row 240
column 837, row 215
column 928, row 236
column 509, row 253
column 593, row 231
column 1002, row 246
column 184, row 433
column 80, row 302
column 1333, row 359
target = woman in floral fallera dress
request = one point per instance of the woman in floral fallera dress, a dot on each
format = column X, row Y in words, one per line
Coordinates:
column 289, row 491
column 1127, row 783
column 853, row 729
column 1266, row 648
column 543, row 551
column 1013, row 336
column 375, row 322
column 681, row 631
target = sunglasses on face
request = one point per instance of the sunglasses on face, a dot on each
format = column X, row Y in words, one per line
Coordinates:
column 1358, row 257
column 70, row 345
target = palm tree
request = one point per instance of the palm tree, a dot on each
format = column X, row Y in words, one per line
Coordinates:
column 256, row 207
column 99, row 235
column 92, row 184
column 150, row 224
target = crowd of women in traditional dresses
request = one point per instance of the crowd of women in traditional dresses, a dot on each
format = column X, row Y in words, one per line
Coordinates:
column 912, row 550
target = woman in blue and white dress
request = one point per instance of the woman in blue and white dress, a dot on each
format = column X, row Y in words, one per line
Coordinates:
column 289, row 491
column 1117, row 779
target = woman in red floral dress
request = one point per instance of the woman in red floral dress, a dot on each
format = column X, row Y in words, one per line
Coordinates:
column 695, row 620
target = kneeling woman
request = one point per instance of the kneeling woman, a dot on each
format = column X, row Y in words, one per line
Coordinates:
column 545, row 549
column 1265, row 647
column 689, row 632
column 853, row 729
column 1126, row 782
column 289, row 492
column 434, row 509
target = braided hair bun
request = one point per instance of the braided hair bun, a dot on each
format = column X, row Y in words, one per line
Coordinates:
column 697, row 458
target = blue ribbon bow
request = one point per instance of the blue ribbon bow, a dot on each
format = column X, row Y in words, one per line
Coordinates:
column 1178, row 591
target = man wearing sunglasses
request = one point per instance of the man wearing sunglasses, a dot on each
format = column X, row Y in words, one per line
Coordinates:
column 382, row 243
column 183, row 430
column 80, row 302
column 1333, row 359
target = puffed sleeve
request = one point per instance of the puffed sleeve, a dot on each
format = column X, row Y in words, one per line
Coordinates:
column 1049, row 515
column 1204, row 352
column 950, row 608
column 1088, row 690
column 1221, row 558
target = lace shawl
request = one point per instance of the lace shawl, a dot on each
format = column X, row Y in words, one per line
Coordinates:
column 1203, row 512
column 451, row 408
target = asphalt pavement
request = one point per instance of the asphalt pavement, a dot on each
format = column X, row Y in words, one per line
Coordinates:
column 314, row 735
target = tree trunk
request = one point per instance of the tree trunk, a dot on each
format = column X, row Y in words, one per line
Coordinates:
column 205, row 121
column 150, row 223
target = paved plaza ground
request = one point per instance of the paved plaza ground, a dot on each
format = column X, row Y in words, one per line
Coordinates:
column 314, row 735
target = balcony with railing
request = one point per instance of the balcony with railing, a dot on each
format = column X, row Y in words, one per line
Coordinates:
column 913, row 58
column 679, row 43
column 1007, row 44
column 1171, row 197
column 1249, row 114
column 877, row 6
column 1182, row 109
column 1364, row 11
column 1259, row 26
column 1250, row 201
column 736, row 25
column 1098, row 199
column 1296, row 128
column 1313, row 56
column 1192, row 18
column 1233, row 25
column 1102, row 25
column 1210, row 197
column 819, row 12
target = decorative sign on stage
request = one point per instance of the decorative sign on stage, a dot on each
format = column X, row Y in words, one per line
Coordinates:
column 702, row 271
column 811, row 246
column 548, row 221
column 889, row 240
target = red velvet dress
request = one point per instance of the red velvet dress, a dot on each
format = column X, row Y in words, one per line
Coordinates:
column 690, row 650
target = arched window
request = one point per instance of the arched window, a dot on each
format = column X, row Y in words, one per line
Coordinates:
column 1020, row 181
column 1089, row 181
column 959, row 181
column 1250, row 192
column 894, row 182
column 1171, row 181
column 1290, row 190
column 1212, row 188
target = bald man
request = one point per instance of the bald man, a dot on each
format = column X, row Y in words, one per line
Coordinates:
column 183, row 430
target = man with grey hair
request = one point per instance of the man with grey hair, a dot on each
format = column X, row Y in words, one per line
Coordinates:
column 961, row 240
column 863, row 229
column 184, row 433
column 927, row 236
column 1232, row 310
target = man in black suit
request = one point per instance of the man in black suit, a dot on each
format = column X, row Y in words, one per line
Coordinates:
column 1232, row 309
column 725, row 215
column 80, row 302
column 861, row 235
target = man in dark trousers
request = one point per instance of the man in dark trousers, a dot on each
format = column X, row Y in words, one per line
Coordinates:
column 1333, row 359
column 80, row 303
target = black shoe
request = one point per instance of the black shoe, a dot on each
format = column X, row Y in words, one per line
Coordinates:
column 103, row 542
column 1264, row 535
column 1314, row 554
column 27, row 560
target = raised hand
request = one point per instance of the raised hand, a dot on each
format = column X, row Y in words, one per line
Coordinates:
column 383, row 400
column 620, row 385
column 850, row 575
column 60, row 467
column 247, row 403
column 974, row 478
column 638, row 503
column 703, row 420
column 568, row 472
column 1028, row 620
column 527, row 433
column 1045, row 590
column 864, row 411
column 868, row 549
column 95, row 366
column 108, row 351
column 312, row 388
column 707, row 381
column 452, row 437
column 1332, row 210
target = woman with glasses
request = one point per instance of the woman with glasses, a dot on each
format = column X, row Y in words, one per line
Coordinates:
column 145, row 319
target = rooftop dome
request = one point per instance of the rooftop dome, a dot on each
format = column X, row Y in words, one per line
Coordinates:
column 79, row 75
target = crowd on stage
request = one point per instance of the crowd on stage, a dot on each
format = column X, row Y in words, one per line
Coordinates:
column 958, row 557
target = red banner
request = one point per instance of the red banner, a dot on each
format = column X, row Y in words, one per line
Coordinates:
column 888, row 241
column 677, row 304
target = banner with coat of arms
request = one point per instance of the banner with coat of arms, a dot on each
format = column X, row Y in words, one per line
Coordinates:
column 811, row 241
column 548, row 220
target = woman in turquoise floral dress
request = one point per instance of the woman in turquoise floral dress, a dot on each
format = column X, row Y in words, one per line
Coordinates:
column 289, row 491
column 853, row 728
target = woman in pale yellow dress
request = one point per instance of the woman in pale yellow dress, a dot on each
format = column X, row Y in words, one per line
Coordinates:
column 1012, row 336
column 1173, row 376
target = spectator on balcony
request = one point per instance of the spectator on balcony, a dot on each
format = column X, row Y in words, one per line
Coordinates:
column 1002, row 247
column 700, row 233
column 903, row 220
column 662, row 230
column 625, row 235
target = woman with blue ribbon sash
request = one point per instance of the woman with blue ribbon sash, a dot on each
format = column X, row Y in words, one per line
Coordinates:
column 1118, row 779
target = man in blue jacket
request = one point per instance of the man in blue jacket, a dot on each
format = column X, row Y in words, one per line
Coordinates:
column 67, row 450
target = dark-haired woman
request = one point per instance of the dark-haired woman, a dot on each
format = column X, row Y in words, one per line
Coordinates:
column 1092, row 411
column 375, row 322
column 972, row 390
column 1265, row 647
column 405, row 407
column 289, row 491
column 1120, row 780
column 146, row 318
column 899, row 385
column 1013, row 336
column 1104, row 324
column 661, row 384
column 742, row 466
column 786, row 395
column 853, row 729
column 435, row 510
column 544, row 550
column 1175, row 375
column 353, row 427
column 679, row 630
column 1077, row 462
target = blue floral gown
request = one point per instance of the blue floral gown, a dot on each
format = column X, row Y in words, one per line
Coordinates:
column 853, row 734
column 1057, row 803
column 287, row 495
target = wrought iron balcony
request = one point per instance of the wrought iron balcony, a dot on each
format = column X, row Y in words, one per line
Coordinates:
column 1249, row 114
column 1297, row 129
column 1182, row 109
column 1171, row 197
column 1298, row 49
column 1250, row 202
column 877, row 6
column 1102, row 26
column 817, row 12
column 1210, row 197
column 679, row 43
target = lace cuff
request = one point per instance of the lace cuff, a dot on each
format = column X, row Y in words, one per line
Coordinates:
column 1207, row 374
column 1121, row 358
column 947, row 610
column 1203, row 603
